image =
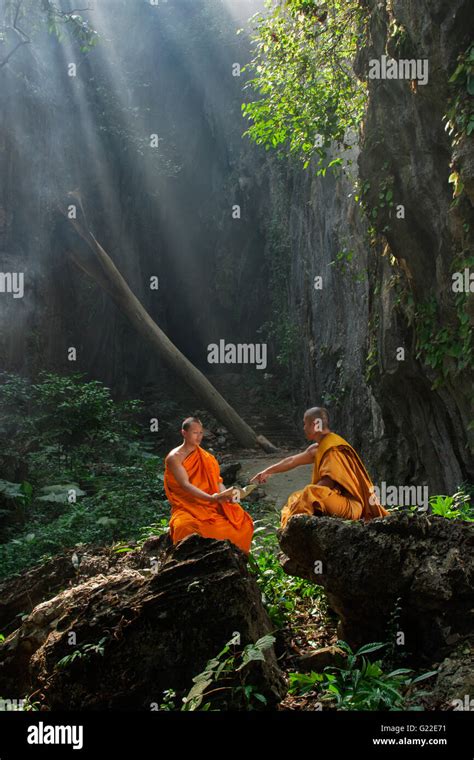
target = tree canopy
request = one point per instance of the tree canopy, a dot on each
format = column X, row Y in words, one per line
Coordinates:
column 308, row 96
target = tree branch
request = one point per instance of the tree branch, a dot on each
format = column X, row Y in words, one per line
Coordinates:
column 25, row 41
column 49, row 7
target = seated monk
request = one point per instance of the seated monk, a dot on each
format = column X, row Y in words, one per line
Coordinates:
column 340, row 484
column 199, row 501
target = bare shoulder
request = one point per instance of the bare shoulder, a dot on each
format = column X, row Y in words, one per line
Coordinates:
column 304, row 457
column 174, row 456
column 312, row 449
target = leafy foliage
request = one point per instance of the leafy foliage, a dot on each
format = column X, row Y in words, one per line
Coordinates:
column 456, row 507
column 221, row 671
column 83, row 652
column 115, row 511
column 360, row 684
column 281, row 593
column 446, row 347
column 308, row 95
column 27, row 19
column 26, row 705
column 460, row 116
column 61, row 420
column 79, row 29
column 87, row 477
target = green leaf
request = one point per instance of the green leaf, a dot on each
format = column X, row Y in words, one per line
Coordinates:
column 459, row 70
column 265, row 642
column 423, row 676
column 373, row 647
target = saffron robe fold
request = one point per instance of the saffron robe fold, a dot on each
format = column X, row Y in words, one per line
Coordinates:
column 190, row 514
column 353, row 497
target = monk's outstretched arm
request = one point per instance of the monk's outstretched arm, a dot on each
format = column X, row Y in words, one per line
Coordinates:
column 289, row 463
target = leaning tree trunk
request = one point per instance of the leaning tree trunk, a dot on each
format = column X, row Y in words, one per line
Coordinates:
column 103, row 271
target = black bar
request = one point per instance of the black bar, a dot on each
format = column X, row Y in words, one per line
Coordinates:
column 127, row 734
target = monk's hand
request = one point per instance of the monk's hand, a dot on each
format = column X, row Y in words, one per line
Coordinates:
column 260, row 477
column 226, row 495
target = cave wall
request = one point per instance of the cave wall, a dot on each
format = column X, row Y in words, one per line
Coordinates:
column 406, row 146
column 313, row 224
column 163, row 70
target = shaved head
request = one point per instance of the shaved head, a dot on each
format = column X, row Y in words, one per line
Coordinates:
column 318, row 413
column 189, row 421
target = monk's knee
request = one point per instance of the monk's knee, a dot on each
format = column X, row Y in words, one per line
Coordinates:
column 336, row 505
column 352, row 510
column 183, row 531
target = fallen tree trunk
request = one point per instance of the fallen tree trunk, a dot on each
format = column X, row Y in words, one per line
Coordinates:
column 103, row 271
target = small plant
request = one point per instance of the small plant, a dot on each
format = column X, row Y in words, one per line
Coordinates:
column 121, row 548
column 29, row 705
column 222, row 668
column 280, row 592
column 361, row 684
column 18, row 705
column 83, row 652
column 343, row 258
column 169, row 700
column 372, row 358
column 392, row 652
column 157, row 528
column 456, row 507
column 460, row 116
column 446, row 347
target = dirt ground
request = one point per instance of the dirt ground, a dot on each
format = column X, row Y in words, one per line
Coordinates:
column 278, row 487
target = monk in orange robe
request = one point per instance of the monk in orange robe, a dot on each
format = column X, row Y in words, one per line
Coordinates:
column 340, row 484
column 199, row 501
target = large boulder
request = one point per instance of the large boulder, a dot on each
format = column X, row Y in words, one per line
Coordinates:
column 454, row 685
column 20, row 593
column 163, row 611
column 424, row 561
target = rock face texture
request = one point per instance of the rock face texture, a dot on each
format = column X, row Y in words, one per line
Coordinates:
column 454, row 685
column 386, row 281
column 318, row 231
column 424, row 562
column 163, row 613
column 406, row 151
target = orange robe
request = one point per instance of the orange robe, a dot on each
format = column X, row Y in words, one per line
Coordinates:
column 190, row 514
column 353, row 498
